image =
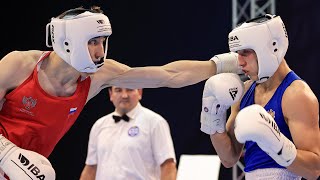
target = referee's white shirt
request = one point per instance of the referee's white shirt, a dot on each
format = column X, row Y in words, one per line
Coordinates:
column 131, row 150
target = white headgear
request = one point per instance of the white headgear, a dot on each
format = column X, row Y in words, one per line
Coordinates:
column 265, row 35
column 70, row 37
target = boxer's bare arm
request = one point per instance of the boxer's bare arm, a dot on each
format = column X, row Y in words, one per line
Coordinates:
column 106, row 73
column 176, row 74
column 15, row 67
column 301, row 110
column 226, row 144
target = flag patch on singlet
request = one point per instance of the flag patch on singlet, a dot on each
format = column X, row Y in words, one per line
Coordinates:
column 72, row 110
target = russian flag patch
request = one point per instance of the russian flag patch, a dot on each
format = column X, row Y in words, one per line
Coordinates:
column 72, row 110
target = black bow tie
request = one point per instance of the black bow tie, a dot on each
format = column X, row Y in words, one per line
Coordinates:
column 118, row 118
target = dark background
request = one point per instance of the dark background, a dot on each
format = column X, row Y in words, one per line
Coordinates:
column 156, row 32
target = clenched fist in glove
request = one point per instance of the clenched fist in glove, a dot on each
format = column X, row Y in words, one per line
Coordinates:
column 21, row 164
column 227, row 63
column 254, row 123
column 219, row 93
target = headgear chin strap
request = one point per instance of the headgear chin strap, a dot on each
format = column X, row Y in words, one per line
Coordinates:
column 70, row 37
column 265, row 35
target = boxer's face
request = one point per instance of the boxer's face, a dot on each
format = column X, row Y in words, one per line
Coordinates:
column 124, row 99
column 249, row 62
column 96, row 48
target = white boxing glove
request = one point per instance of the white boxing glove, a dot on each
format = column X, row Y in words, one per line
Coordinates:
column 227, row 63
column 21, row 164
column 219, row 93
column 254, row 123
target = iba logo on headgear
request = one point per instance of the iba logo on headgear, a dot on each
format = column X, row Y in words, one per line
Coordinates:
column 100, row 21
column 233, row 38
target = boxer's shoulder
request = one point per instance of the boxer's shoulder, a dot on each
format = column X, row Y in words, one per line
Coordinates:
column 21, row 58
column 16, row 66
column 298, row 90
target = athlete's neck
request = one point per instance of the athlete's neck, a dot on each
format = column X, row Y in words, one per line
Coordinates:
column 275, row 80
column 56, row 68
